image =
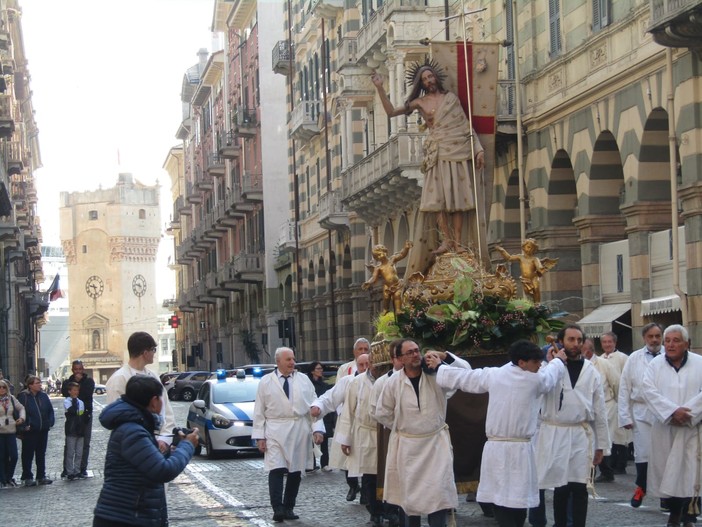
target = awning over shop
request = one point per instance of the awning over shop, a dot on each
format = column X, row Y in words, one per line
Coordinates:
column 661, row 304
column 600, row 320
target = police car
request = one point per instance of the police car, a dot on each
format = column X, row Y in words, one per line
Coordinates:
column 223, row 413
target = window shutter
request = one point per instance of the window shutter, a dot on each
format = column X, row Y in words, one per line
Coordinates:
column 554, row 17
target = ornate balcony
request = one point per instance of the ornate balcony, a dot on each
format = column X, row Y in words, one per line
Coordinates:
column 304, row 121
column 204, row 182
column 246, row 122
column 215, row 165
column 228, row 279
column 677, row 23
column 182, row 206
column 222, row 217
column 193, row 196
column 286, row 239
column 332, row 214
column 230, row 148
column 347, row 51
column 281, row 57
column 371, row 36
column 386, row 180
column 252, row 187
column 326, row 8
column 238, row 206
column 182, row 303
column 215, row 288
column 248, row 267
column 7, row 121
column 506, row 107
column 203, row 295
column 192, row 299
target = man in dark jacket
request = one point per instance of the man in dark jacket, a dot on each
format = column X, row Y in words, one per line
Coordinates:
column 135, row 469
column 85, row 394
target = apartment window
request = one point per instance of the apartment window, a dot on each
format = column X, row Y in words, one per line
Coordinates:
column 85, row 249
column 620, row 273
column 92, row 215
column 554, row 25
column 600, row 14
column 142, row 214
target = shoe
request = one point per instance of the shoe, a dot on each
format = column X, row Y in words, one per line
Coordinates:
column 326, row 468
column 45, row 481
column 376, row 521
column 30, row 483
column 604, row 479
column 64, row 474
column 278, row 515
column 352, row 494
column 290, row 515
column 664, row 505
column 393, row 520
column 638, row 497
column 12, row 483
column 83, row 474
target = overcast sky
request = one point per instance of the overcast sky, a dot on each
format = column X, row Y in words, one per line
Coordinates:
column 106, row 78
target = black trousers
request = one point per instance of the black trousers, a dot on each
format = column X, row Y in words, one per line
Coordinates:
column 283, row 499
column 369, row 483
column 679, row 510
column 34, row 446
column 641, row 475
column 578, row 493
column 509, row 517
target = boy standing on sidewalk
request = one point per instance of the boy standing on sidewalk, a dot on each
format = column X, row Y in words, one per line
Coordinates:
column 74, row 431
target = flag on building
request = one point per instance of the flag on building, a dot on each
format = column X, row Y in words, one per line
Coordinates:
column 54, row 291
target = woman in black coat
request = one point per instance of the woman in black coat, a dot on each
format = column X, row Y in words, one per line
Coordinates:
column 316, row 375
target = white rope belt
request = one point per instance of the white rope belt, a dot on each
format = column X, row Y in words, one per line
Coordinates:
column 419, row 436
column 565, row 425
column 510, row 439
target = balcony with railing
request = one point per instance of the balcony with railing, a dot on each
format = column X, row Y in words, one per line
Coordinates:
column 182, row 302
column 15, row 157
column 286, row 237
column 332, row 214
column 182, row 206
column 228, row 279
column 238, row 206
column 222, row 217
column 7, row 121
column 281, row 57
column 252, row 187
column 347, row 50
column 371, row 36
column 230, row 147
column 214, row 166
column 676, row 23
column 193, row 196
column 215, row 287
column 506, row 107
column 304, row 121
column 204, row 181
column 326, row 8
column 246, row 122
column 248, row 267
column 385, row 180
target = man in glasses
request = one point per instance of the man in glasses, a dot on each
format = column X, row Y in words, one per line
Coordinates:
column 142, row 350
column 85, row 394
column 419, row 464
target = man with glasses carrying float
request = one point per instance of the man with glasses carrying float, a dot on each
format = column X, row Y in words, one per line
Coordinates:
column 419, row 464
column 142, row 350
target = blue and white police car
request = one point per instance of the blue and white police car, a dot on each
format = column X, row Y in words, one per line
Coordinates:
column 223, row 413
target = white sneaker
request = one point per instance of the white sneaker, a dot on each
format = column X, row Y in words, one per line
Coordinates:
column 326, row 469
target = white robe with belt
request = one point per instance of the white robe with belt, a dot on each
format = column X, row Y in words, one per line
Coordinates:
column 357, row 429
column 284, row 423
column 573, row 426
column 673, row 464
column 632, row 405
column 508, row 468
column 333, row 401
column 419, row 464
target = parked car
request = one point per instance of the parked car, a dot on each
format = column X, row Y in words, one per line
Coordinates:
column 223, row 415
column 257, row 370
column 186, row 387
column 165, row 377
column 100, row 389
column 170, row 383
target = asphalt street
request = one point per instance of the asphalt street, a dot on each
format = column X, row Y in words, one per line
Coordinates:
column 233, row 491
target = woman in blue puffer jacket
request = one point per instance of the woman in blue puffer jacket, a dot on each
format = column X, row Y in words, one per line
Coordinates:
column 135, row 469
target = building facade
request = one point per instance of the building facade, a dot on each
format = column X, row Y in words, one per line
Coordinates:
column 22, row 306
column 110, row 239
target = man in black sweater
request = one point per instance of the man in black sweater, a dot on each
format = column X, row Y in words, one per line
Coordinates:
column 85, row 394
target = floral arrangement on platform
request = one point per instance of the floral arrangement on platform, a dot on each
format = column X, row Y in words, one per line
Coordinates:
column 471, row 320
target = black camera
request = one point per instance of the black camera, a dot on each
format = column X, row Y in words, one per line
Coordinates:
column 179, row 434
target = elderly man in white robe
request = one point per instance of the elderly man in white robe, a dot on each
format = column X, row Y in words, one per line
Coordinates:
column 672, row 388
column 508, row 467
column 419, row 463
column 333, row 400
column 633, row 411
column 357, row 433
column 574, row 434
column 284, row 431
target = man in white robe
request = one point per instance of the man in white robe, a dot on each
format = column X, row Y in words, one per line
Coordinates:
column 573, row 435
column 282, row 428
column 621, row 437
column 419, row 463
column 357, row 433
column 672, row 388
column 360, row 347
column 633, row 412
column 508, row 467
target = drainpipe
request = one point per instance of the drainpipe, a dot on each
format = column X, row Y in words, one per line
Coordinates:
column 672, row 152
column 521, row 176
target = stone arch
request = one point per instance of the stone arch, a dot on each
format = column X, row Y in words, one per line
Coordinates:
column 309, row 290
column 561, row 192
column 653, row 181
column 402, row 230
column 388, row 236
column 321, row 277
column 346, row 267
column 604, row 191
column 288, row 293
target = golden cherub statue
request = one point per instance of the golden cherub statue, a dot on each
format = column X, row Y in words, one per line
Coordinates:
column 385, row 270
column 532, row 268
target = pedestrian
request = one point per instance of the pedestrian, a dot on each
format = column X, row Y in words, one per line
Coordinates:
column 40, row 419
column 283, row 430
column 59, row 385
column 333, row 401
column 85, row 394
column 672, row 389
column 316, row 375
column 357, row 433
column 621, row 437
column 609, row 374
column 135, row 469
column 142, row 350
column 633, row 411
column 419, row 462
column 74, row 429
column 508, row 467
column 573, row 435
column 12, row 414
